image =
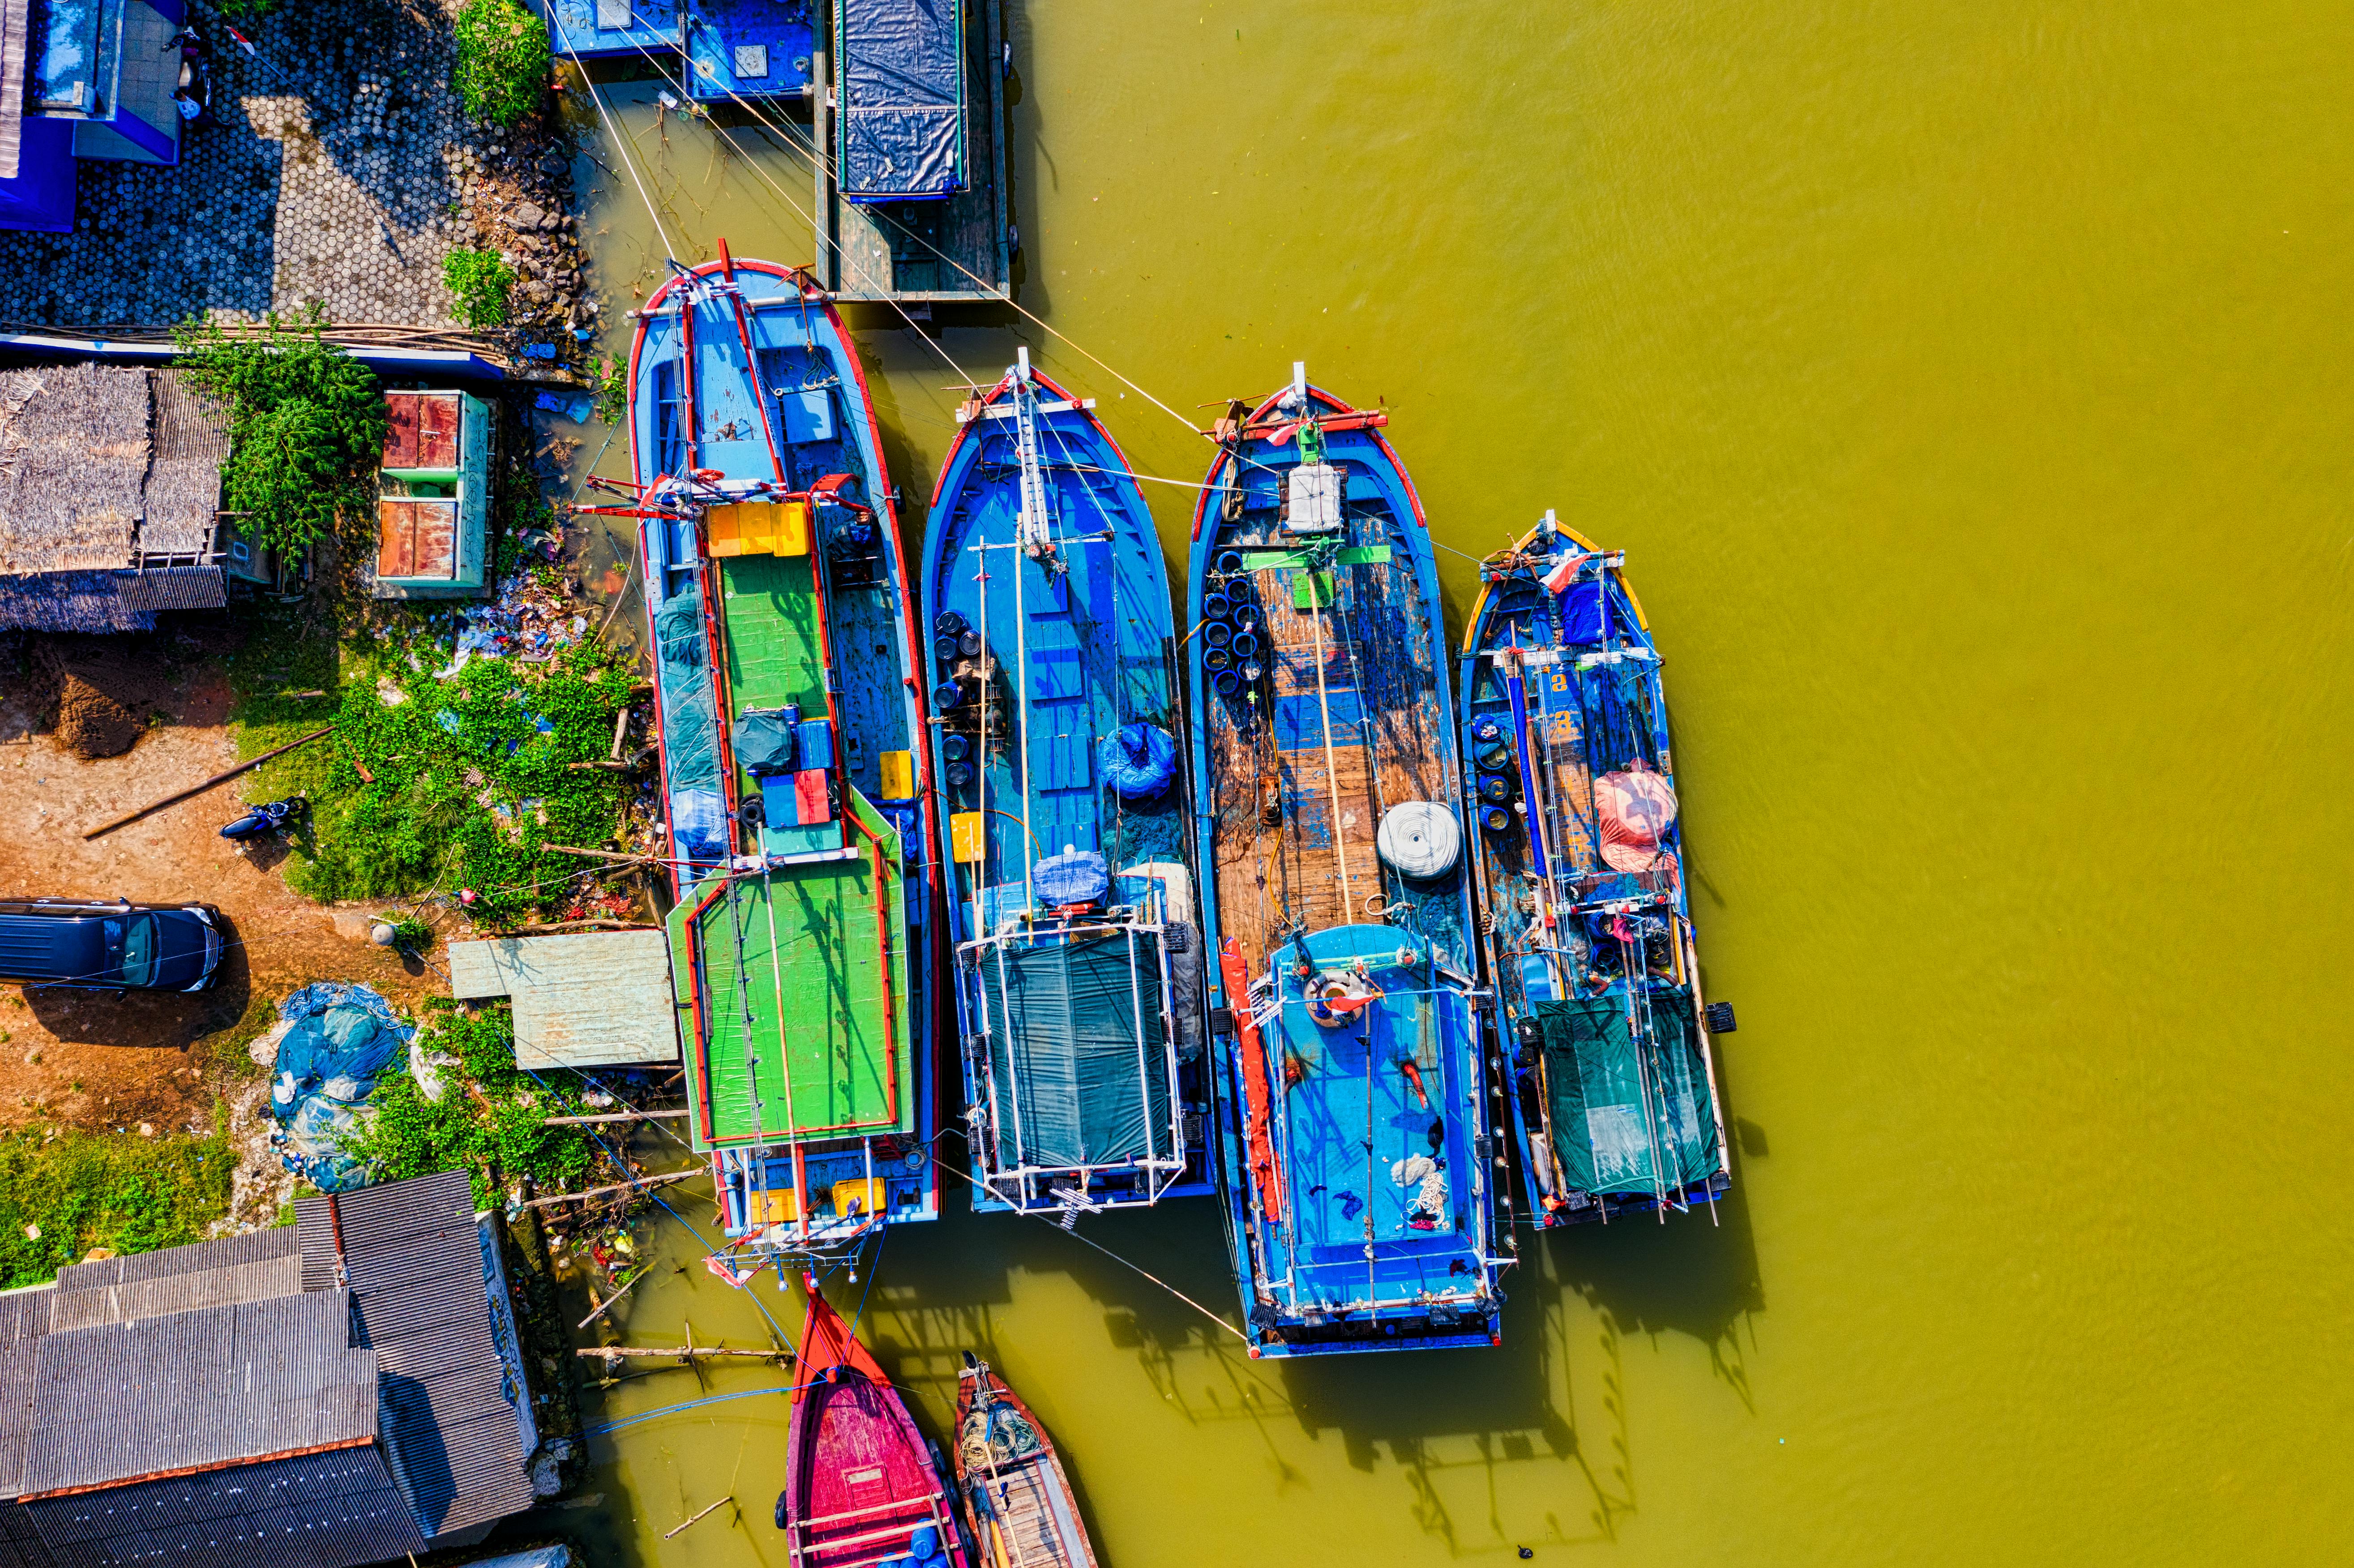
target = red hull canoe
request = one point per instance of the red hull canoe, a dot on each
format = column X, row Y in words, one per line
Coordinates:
column 860, row 1488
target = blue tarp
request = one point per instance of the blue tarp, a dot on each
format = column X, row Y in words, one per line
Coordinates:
column 902, row 98
column 1074, row 876
column 344, row 1037
column 1138, row 761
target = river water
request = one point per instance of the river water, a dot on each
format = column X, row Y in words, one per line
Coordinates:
column 1968, row 386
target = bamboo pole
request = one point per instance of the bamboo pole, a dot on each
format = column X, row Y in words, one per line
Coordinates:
column 680, row 1353
column 667, row 1534
column 613, row 1116
column 602, row 1306
column 217, row 778
column 617, row 1187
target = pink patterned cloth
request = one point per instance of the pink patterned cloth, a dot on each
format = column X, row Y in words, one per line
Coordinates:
column 1635, row 808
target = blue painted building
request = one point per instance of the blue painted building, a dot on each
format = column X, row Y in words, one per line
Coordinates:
column 82, row 78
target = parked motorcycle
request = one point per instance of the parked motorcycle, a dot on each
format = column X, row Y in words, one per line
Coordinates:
column 263, row 820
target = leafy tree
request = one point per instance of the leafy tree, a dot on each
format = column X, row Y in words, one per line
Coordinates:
column 306, row 424
column 502, row 61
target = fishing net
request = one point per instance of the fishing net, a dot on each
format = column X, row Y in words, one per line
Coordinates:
column 338, row 1041
column 1631, row 1113
column 690, row 728
column 995, row 1434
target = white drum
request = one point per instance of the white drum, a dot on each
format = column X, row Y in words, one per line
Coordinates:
column 1420, row 839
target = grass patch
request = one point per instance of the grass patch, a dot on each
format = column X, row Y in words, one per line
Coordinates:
column 482, row 283
column 80, row 1191
column 488, row 1121
column 502, row 61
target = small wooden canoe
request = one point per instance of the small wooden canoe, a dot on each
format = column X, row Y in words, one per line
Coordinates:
column 862, row 1487
column 1017, row 1499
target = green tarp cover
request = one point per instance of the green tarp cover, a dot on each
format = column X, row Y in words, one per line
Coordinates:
column 1626, row 1119
column 1065, row 1053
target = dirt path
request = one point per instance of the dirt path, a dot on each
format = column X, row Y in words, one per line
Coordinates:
column 106, row 1060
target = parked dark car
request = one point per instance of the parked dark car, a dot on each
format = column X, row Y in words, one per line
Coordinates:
column 113, row 947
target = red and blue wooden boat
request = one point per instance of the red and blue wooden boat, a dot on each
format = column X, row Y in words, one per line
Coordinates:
column 863, row 1487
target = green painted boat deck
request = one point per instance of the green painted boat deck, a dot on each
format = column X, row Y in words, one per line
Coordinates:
column 790, row 1039
column 769, row 616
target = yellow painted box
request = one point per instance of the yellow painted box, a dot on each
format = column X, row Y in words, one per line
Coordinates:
column 898, row 776
column 965, row 840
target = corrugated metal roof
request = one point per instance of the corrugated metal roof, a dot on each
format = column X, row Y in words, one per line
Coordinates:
column 21, row 1545
column 413, row 1255
column 173, row 587
column 229, row 1286
column 24, row 1319
column 587, row 1000
column 197, row 1390
column 310, row 1510
column 254, row 1246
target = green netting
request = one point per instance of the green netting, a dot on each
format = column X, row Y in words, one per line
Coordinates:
column 791, row 982
column 1629, row 1118
column 690, row 735
column 1074, row 1085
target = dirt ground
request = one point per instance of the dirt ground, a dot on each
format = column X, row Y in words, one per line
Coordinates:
column 114, row 1060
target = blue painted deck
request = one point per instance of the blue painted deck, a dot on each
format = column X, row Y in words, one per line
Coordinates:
column 825, row 424
column 1555, row 636
column 599, row 29
column 748, row 48
column 1085, row 640
column 1341, row 712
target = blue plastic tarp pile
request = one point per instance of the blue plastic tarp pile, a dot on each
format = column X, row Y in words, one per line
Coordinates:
column 341, row 1040
column 902, row 100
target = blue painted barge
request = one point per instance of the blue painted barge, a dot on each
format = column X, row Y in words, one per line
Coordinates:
column 1070, row 881
column 796, row 765
column 1354, row 1105
column 1590, row 943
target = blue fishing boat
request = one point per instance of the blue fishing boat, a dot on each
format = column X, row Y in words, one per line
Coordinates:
column 794, row 758
column 1077, row 960
column 1590, row 943
column 1354, row 1118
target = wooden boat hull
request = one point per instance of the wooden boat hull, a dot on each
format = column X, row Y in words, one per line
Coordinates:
column 1018, row 1501
column 1345, row 1035
column 1590, row 944
column 1070, row 900
column 803, row 938
column 861, row 1481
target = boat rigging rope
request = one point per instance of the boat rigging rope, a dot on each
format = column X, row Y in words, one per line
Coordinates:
column 619, row 145
column 1051, row 1223
column 954, row 368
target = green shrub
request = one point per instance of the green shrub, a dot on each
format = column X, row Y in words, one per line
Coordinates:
column 612, row 388
column 481, row 282
column 62, row 1196
column 502, row 61
column 306, row 425
column 490, row 1120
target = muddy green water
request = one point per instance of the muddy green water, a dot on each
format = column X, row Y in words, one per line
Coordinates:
column 1969, row 387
